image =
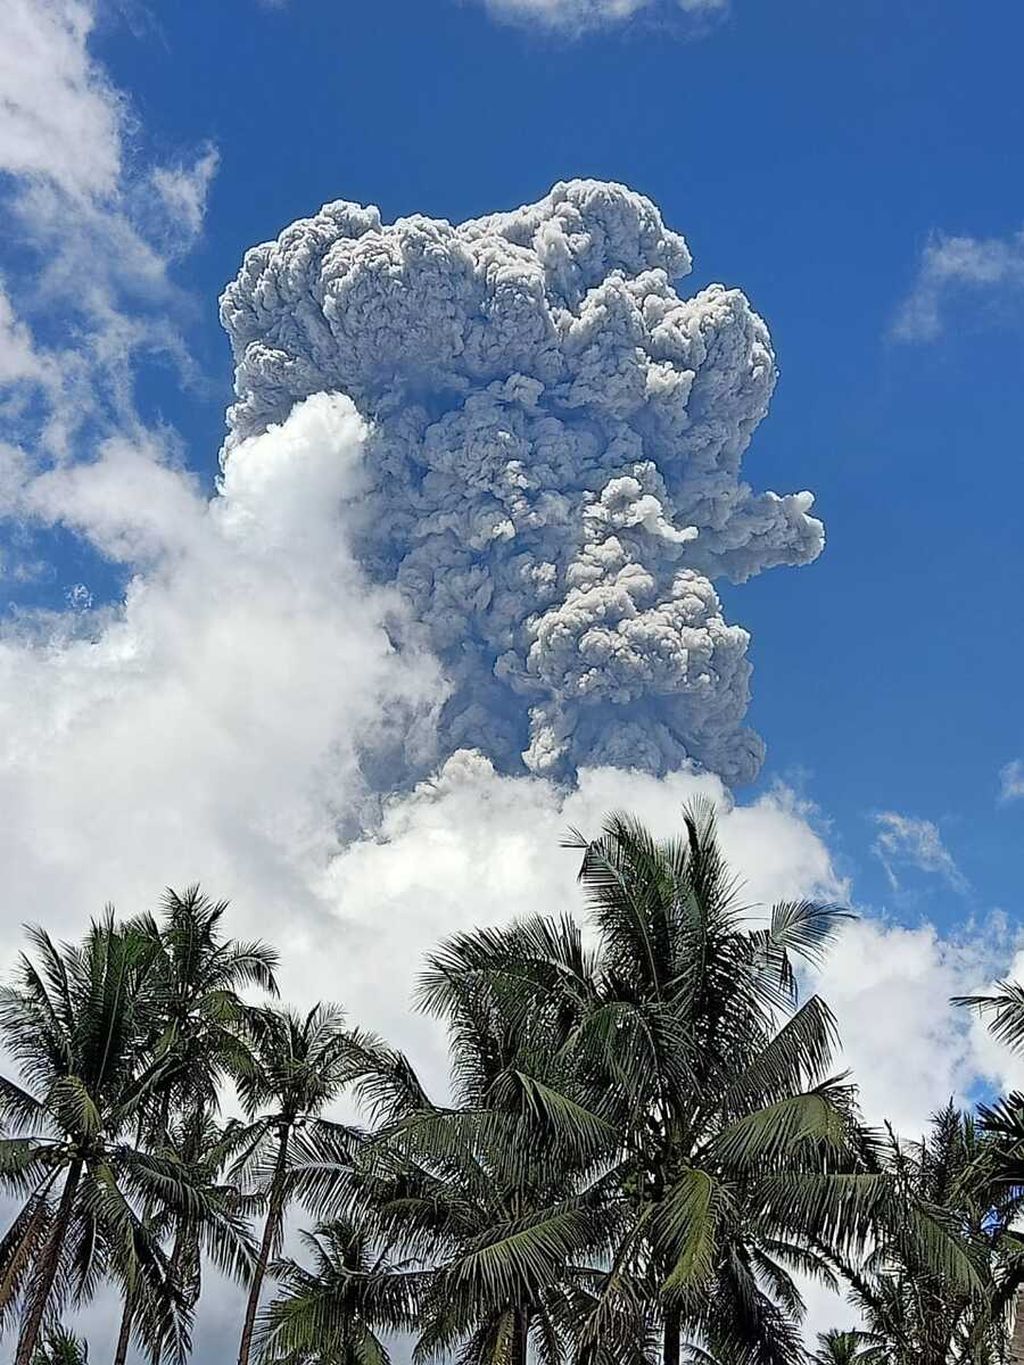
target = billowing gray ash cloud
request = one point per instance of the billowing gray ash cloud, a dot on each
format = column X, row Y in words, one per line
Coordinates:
column 555, row 455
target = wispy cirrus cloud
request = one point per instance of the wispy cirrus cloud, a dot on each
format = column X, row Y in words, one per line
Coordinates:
column 577, row 16
column 85, row 268
column 62, row 118
column 1011, row 780
column 908, row 841
column 952, row 267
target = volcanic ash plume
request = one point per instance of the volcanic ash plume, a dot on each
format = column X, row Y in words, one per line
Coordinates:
column 554, row 462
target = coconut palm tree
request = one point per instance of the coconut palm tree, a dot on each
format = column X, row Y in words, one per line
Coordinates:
column 74, row 1023
column 736, row 1155
column 195, row 979
column 1001, row 1167
column 297, row 1066
column 914, row 1309
column 499, row 1197
column 337, row 1312
column 999, row 1172
column 216, row 1229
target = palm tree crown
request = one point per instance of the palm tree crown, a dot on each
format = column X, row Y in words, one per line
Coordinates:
column 339, row 1311
column 196, row 980
column 640, row 1151
column 72, row 1024
column 680, row 1033
column 296, row 1067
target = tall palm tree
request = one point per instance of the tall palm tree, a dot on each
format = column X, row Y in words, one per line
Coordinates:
column 337, row 1312
column 1002, row 1125
column 74, row 1023
column 216, row 1229
column 500, row 1197
column 999, row 1172
column 195, row 978
column 735, row 1154
column 298, row 1065
column 916, row 1312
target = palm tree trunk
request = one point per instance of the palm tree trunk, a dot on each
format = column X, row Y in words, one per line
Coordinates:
column 1016, row 1356
column 124, row 1337
column 275, row 1211
column 521, row 1337
column 673, row 1331
column 174, row 1268
column 47, row 1269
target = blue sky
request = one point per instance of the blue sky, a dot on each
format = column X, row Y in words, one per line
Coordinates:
column 820, row 157
column 808, row 152
column 191, row 677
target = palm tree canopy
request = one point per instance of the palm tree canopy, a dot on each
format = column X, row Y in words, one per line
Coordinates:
column 923, row 1309
column 196, row 980
column 681, row 1033
column 337, row 1310
column 62, row 1348
column 295, row 1066
column 847, row 1348
column 642, row 1150
column 500, row 1196
column 75, row 1023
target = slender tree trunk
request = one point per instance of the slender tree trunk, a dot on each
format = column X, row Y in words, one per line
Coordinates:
column 275, row 1210
column 124, row 1337
column 32, row 1222
column 673, row 1331
column 521, row 1339
column 174, row 1268
column 1016, row 1356
column 47, row 1269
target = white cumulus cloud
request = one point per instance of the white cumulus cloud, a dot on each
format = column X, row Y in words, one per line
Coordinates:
column 214, row 723
column 908, row 1049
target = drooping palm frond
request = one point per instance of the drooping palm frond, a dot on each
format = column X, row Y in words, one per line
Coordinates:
column 112, row 1037
column 295, row 1066
column 1002, row 1009
column 339, row 1309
